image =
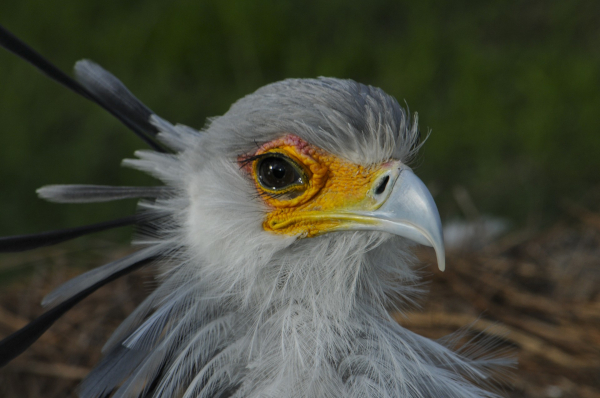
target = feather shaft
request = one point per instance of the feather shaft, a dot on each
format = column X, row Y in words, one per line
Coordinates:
column 19, row 341
column 119, row 102
column 19, row 243
column 90, row 278
column 96, row 193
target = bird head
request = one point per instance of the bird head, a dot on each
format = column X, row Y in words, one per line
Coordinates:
column 312, row 172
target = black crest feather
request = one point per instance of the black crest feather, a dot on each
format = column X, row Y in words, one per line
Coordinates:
column 97, row 85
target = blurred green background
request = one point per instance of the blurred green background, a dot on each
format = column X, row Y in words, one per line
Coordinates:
column 508, row 89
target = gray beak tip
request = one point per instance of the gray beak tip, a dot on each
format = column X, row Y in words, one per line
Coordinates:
column 410, row 211
column 441, row 260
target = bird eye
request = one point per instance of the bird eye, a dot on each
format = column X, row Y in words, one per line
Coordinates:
column 277, row 173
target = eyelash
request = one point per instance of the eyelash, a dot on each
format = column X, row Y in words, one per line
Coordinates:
column 247, row 160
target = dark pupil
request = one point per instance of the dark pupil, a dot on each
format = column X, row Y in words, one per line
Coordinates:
column 278, row 170
column 276, row 173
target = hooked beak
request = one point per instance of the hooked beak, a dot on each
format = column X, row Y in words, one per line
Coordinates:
column 409, row 211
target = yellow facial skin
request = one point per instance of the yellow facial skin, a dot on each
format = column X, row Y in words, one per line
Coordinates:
column 332, row 189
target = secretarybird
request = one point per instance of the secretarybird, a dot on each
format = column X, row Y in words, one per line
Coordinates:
column 282, row 236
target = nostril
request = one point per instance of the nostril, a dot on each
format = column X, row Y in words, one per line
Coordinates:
column 381, row 187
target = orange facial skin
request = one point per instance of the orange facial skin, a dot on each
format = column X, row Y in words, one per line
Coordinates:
column 334, row 187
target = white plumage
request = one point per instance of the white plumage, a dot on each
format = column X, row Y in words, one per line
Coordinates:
column 243, row 312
